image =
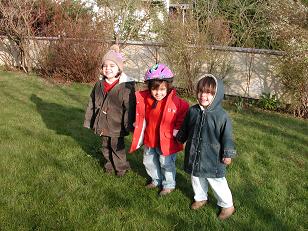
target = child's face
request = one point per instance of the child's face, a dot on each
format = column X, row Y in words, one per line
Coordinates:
column 205, row 98
column 160, row 92
column 110, row 69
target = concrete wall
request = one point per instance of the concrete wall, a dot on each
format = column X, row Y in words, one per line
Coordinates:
column 257, row 67
column 250, row 74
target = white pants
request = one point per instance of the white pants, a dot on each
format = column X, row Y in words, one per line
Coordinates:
column 219, row 186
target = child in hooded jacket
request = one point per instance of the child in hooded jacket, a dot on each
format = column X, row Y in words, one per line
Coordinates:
column 159, row 115
column 111, row 111
column 207, row 131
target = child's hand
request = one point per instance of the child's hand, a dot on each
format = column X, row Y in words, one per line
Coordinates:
column 226, row 161
column 175, row 132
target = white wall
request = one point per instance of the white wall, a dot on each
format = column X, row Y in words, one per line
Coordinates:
column 261, row 75
column 139, row 58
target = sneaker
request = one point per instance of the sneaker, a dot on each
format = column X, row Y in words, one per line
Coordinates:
column 198, row 204
column 151, row 186
column 166, row 191
column 226, row 213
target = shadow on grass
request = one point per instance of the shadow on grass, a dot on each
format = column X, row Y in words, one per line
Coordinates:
column 126, row 206
column 68, row 121
column 183, row 184
column 135, row 159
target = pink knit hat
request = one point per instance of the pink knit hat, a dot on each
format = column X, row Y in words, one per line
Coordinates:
column 115, row 56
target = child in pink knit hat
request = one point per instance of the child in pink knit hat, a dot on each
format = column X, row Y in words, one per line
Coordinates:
column 115, row 56
column 111, row 111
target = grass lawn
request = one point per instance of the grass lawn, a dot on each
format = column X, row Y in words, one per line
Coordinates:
column 51, row 175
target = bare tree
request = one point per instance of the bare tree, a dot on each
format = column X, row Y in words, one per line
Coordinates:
column 288, row 23
column 76, row 55
column 131, row 19
column 187, row 44
column 16, row 20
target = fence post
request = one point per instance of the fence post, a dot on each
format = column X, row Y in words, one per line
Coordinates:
column 156, row 54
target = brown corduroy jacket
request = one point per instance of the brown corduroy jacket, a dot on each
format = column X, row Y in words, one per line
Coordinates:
column 112, row 114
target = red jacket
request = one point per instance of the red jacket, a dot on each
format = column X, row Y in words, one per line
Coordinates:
column 173, row 117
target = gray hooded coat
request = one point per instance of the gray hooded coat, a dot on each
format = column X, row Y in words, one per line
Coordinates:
column 208, row 136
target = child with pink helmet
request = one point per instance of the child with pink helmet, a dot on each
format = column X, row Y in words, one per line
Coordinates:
column 159, row 115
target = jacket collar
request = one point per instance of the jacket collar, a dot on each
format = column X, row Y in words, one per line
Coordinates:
column 125, row 78
column 122, row 79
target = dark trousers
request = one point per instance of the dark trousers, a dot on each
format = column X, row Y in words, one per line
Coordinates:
column 113, row 149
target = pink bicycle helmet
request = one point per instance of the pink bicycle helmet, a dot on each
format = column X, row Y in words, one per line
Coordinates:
column 159, row 71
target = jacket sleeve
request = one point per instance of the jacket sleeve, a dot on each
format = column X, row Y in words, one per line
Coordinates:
column 182, row 135
column 182, row 110
column 90, row 110
column 130, row 107
column 227, row 140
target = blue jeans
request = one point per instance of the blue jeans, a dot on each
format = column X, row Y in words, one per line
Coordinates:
column 160, row 168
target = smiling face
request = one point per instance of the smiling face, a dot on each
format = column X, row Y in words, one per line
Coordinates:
column 159, row 92
column 205, row 98
column 206, row 90
column 110, row 70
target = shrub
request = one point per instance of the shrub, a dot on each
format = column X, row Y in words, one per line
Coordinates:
column 239, row 104
column 288, row 23
column 269, row 102
column 186, row 49
column 76, row 55
column 293, row 75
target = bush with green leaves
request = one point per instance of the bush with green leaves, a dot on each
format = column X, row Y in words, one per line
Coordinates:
column 269, row 102
column 239, row 103
column 293, row 75
column 289, row 26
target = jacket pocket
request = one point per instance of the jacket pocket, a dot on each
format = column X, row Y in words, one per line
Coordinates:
column 215, row 150
column 169, row 135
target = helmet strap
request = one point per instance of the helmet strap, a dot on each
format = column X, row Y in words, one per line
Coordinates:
column 154, row 104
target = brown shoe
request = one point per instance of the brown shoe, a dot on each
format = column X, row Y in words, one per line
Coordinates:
column 165, row 191
column 226, row 213
column 151, row 186
column 198, row 204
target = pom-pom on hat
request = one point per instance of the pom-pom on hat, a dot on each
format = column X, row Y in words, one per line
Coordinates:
column 115, row 56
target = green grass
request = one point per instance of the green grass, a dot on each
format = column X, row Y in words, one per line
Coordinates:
column 51, row 176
